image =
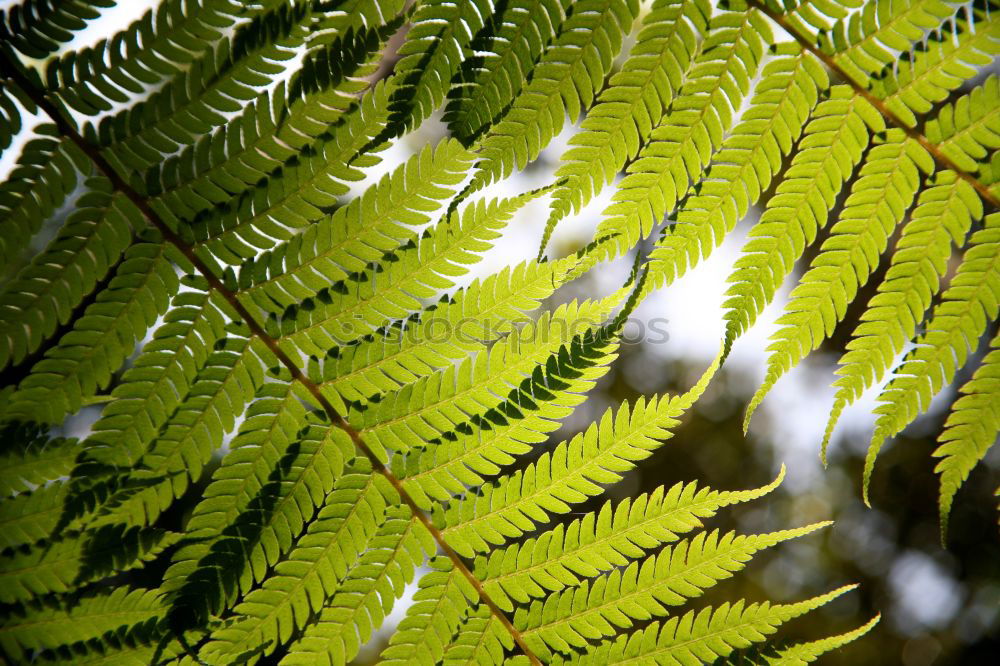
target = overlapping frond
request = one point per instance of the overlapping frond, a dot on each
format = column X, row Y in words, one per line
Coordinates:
column 832, row 145
column 565, row 81
column 303, row 581
column 440, row 34
column 742, row 170
column 881, row 196
column 680, row 148
column 944, row 213
column 46, row 172
column 506, row 51
column 631, row 105
column 31, row 459
column 37, row 28
column 953, row 330
column 969, row 130
column 44, row 294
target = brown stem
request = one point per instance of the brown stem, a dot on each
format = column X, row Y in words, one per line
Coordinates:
column 879, row 105
column 13, row 71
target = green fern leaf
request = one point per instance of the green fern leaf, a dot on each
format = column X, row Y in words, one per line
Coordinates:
column 943, row 216
column 32, row 459
column 565, row 81
column 680, row 148
column 970, row 431
column 742, row 170
column 121, row 612
column 486, row 84
column 37, row 28
column 439, row 605
column 312, row 571
column 45, row 294
column 969, row 130
column 885, row 189
column 31, row 516
column 601, row 541
column 570, row 619
column 78, row 367
column 71, row 561
column 631, row 105
column 460, row 459
column 806, row 653
column 833, row 144
column 702, row 636
column 955, row 326
column 47, row 170
column 437, row 42
column 568, row 475
column 866, row 41
column 366, row 596
column 945, row 63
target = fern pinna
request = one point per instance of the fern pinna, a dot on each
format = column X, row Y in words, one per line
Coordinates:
column 223, row 282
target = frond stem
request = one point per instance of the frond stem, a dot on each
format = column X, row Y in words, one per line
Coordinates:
column 16, row 75
column 879, row 105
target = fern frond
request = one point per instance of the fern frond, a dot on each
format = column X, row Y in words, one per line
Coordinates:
column 82, row 363
column 371, row 225
column 153, row 48
column 392, row 289
column 197, row 99
column 601, row 540
column 480, row 641
column 806, row 653
column 565, row 81
column 869, row 40
column 30, row 458
column 816, row 13
column 969, row 130
column 31, row 516
column 436, row 44
column 438, row 403
column 701, row 636
column 568, row 475
column 943, row 215
column 742, row 170
column 880, row 198
column 439, row 606
column 262, row 496
column 488, row 82
column 120, row 613
column 74, row 560
column 47, row 170
column 37, row 28
column 45, row 293
column 970, row 431
column 229, row 380
column 680, row 148
column 631, row 105
column 301, row 584
column 833, row 143
column 955, row 326
column 460, row 459
column 478, row 314
column 270, row 132
column 570, row 619
column 944, row 63
column 292, row 199
column 160, row 378
column 366, row 596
